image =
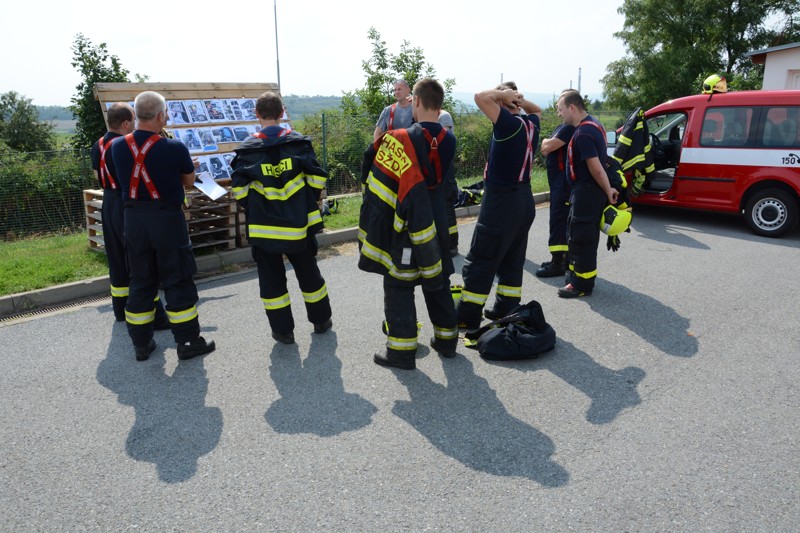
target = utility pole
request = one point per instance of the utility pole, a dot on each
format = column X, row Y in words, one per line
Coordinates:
column 277, row 56
column 579, row 80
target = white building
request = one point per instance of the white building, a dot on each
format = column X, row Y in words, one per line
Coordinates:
column 781, row 66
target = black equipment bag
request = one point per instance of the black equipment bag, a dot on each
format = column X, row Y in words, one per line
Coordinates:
column 522, row 334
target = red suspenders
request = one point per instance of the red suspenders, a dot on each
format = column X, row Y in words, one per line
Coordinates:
column 527, row 161
column 284, row 132
column 433, row 153
column 390, row 123
column 139, row 169
column 103, row 171
column 569, row 147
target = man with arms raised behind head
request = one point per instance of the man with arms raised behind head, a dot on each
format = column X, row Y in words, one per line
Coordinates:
column 152, row 173
column 591, row 192
column 397, row 115
column 507, row 210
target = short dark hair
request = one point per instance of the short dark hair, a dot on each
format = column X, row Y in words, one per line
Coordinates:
column 269, row 106
column 507, row 85
column 430, row 92
column 573, row 97
column 117, row 114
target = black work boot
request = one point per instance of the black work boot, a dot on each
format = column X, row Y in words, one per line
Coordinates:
column 143, row 352
column 198, row 346
column 444, row 348
column 554, row 268
column 385, row 358
column 322, row 328
column 284, row 338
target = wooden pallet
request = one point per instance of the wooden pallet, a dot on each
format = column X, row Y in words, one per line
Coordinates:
column 211, row 223
column 93, row 207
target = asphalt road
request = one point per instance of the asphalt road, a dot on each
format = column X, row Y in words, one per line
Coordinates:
column 669, row 404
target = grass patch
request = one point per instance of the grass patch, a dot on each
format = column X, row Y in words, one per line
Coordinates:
column 39, row 262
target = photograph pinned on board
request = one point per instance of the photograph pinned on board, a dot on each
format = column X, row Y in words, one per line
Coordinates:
column 233, row 110
column 202, row 164
column 190, row 138
column 176, row 113
column 228, row 157
column 223, row 134
column 214, row 110
column 207, row 139
column 248, row 106
column 218, row 167
column 242, row 132
column 197, row 112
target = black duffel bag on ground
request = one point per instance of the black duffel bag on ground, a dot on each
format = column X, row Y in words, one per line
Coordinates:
column 522, row 334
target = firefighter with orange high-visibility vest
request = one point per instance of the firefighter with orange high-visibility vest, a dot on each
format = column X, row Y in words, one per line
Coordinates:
column 152, row 173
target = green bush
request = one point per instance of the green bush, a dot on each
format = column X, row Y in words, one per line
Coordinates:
column 41, row 192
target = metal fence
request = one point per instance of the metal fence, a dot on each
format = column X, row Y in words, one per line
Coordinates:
column 41, row 192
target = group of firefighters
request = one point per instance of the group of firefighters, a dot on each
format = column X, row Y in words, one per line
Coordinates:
column 405, row 228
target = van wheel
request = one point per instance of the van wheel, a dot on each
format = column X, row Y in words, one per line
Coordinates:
column 771, row 212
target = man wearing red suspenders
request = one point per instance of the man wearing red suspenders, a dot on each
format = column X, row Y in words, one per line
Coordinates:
column 507, row 211
column 152, row 173
column 120, row 123
column 591, row 192
column 403, row 230
column 397, row 115
column 555, row 149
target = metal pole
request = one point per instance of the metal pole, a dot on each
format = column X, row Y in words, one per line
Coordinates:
column 277, row 57
column 324, row 143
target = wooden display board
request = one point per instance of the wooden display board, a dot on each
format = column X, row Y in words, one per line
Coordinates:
column 212, row 223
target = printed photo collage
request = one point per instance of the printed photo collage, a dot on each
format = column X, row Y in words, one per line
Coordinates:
column 203, row 124
column 198, row 125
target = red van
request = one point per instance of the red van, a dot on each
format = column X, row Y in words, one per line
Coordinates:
column 732, row 152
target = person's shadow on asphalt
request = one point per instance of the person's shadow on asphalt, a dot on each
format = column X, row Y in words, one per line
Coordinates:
column 611, row 391
column 173, row 426
column 313, row 399
column 466, row 421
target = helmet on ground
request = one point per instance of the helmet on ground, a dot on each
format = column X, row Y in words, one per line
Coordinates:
column 715, row 84
column 614, row 221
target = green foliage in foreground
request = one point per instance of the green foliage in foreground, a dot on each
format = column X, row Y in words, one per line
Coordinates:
column 40, row 262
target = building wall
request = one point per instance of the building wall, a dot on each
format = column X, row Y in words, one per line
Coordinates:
column 782, row 70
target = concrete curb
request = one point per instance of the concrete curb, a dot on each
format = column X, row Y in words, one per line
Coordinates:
column 23, row 302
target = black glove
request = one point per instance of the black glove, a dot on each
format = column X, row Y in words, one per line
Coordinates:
column 613, row 243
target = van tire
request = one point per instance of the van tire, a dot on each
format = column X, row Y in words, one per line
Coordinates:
column 771, row 212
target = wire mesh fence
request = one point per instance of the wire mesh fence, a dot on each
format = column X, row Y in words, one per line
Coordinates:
column 40, row 192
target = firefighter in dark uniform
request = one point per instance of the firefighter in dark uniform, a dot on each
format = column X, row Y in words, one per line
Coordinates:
column 403, row 229
column 555, row 150
column 591, row 192
column 507, row 210
column 278, row 181
column 152, row 172
column 450, row 190
column 120, row 122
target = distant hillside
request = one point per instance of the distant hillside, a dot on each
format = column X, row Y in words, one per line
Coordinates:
column 54, row 112
column 300, row 106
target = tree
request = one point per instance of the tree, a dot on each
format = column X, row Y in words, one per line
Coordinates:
column 20, row 127
column 382, row 69
column 95, row 66
column 674, row 43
